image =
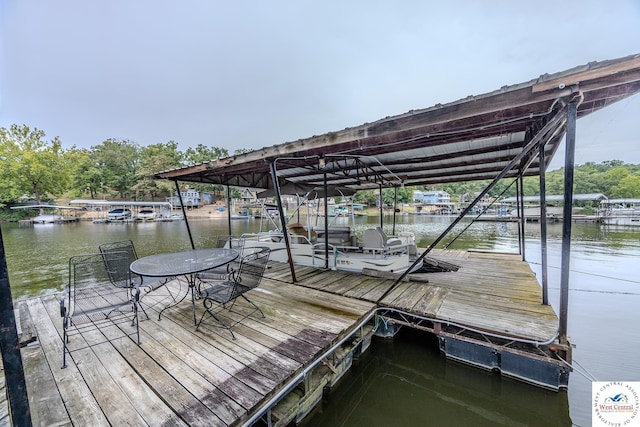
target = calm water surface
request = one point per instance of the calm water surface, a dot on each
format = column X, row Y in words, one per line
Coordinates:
column 406, row 382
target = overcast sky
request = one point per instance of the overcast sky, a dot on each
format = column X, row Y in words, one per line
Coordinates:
column 250, row 74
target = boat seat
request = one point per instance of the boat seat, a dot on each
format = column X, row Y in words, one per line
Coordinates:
column 393, row 241
column 336, row 236
column 409, row 239
column 371, row 238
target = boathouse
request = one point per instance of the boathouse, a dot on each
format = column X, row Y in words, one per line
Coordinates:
column 486, row 309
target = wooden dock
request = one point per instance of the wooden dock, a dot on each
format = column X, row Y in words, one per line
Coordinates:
column 179, row 376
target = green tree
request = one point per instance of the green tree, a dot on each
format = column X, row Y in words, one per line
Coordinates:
column 87, row 176
column 155, row 158
column 627, row 188
column 366, row 197
column 31, row 165
column 405, row 194
column 202, row 153
column 118, row 161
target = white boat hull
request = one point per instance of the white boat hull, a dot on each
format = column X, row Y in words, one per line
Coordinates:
column 621, row 220
column 47, row 219
column 349, row 259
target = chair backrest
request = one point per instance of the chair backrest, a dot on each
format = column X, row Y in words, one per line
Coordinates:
column 118, row 268
column 384, row 236
column 123, row 245
column 371, row 238
column 252, row 269
column 230, row 242
column 94, row 271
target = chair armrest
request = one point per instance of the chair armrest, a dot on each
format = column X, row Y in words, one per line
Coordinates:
column 63, row 309
column 135, row 292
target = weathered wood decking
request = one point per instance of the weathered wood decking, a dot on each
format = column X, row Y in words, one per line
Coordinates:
column 494, row 292
column 179, row 376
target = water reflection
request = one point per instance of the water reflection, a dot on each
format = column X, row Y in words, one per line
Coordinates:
column 604, row 311
column 405, row 382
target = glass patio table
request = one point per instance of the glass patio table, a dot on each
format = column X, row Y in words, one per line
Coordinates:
column 183, row 264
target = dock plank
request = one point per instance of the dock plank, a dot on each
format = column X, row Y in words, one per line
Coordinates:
column 80, row 404
column 180, row 376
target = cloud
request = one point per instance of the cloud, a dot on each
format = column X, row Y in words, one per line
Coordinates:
column 254, row 74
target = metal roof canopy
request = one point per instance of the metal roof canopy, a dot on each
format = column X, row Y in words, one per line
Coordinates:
column 44, row 207
column 558, row 198
column 501, row 134
column 470, row 139
column 102, row 202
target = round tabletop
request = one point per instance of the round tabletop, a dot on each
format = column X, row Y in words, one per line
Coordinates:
column 181, row 263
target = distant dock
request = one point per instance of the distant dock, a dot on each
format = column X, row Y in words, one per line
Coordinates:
column 27, row 222
column 488, row 313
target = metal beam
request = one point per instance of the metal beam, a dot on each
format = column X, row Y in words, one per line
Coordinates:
column 16, row 387
column 543, row 226
column 283, row 220
column 184, row 214
column 523, row 222
column 326, row 220
column 228, row 201
column 567, row 220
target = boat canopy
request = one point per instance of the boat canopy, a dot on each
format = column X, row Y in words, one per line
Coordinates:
column 308, row 191
column 473, row 138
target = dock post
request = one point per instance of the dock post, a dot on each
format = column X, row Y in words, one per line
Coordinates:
column 543, row 225
column 184, row 214
column 228, row 201
column 523, row 221
column 283, row 220
column 566, row 224
column 16, row 387
column 520, row 210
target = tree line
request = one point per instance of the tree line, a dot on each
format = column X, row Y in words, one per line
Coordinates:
column 119, row 168
column 116, row 168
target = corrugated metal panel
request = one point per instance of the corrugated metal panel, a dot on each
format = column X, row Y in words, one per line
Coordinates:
column 469, row 139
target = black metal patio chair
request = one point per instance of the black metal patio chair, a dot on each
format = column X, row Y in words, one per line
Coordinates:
column 145, row 284
column 222, row 295
column 93, row 300
column 227, row 270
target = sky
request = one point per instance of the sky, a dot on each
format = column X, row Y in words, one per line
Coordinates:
column 252, row 74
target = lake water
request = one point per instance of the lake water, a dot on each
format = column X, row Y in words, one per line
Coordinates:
column 406, row 382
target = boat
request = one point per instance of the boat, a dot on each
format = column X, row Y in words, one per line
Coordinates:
column 335, row 247
column 171, row 217
column 344, row 250
column 621, row 212
column 47, row 219
column 240, row 216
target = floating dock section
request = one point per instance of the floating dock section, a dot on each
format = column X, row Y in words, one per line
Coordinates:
column 487, row 313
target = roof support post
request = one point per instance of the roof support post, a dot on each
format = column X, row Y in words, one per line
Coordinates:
column 381, row 214
column 567, row 219
column 326, row 220
column 184, row 214
column 19, row 411
column 518, row 214
column 283, row 220
column 228, row 201
column 543, row 225
column 395, row 205
column 523, row 220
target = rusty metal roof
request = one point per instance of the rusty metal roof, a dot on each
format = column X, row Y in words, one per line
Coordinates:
column 470, row 139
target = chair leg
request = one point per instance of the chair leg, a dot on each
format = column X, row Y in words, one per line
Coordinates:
column 65, row 340
column 223, row 325
column 256, row 307
column 135, row 317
